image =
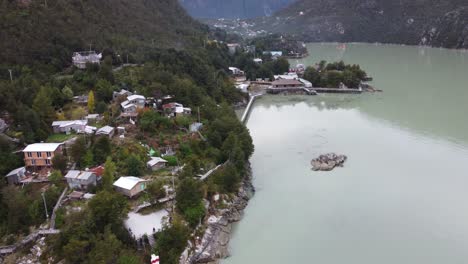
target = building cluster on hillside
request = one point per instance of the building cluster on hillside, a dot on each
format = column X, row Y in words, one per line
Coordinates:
column 80, row 59
column 39, row 157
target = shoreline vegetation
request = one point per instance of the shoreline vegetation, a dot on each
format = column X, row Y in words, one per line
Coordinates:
column 335, row 75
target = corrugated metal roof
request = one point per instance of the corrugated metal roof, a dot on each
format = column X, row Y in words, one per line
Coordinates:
column 155, row 160
column 127, row 182
column 42, row 147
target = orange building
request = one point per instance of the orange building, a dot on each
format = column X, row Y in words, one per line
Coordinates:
column 39, row 155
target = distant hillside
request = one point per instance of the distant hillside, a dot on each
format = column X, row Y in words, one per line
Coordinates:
column 430, row 22
column 32, row 32
column 233, row 8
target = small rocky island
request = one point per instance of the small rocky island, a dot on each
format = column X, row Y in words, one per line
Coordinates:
column 328, row 162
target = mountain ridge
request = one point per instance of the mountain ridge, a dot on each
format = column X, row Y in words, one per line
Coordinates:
column 233, row 8
column 422, row 22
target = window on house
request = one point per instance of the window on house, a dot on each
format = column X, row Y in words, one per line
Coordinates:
column 47, row 162
column 33, row 162
column 49, row 154
column 39, row 154
column 29, row 154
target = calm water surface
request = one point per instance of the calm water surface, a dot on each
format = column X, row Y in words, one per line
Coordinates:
column 402, row 196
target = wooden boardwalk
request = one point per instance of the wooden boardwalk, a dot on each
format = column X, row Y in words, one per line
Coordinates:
column 31, row 237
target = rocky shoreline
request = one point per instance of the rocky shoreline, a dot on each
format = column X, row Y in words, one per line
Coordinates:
column 215, row 241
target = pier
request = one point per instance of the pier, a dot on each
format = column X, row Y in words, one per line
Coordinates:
column 337, row 90
column 249, row 107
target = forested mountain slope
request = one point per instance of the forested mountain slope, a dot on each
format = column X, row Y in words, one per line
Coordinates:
column 50, row 30
column 233, row 8
column 430, row 22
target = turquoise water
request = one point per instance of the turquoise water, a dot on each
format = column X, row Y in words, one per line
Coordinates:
column 402, row 196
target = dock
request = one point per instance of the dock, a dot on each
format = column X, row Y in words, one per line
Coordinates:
column 337, row 90
column 249, row 106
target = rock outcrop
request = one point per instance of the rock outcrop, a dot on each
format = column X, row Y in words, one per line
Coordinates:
column 328, row 162
column 214, row 244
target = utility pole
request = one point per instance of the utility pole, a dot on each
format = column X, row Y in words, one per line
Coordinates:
column 45, row 3
column 45, row 206
column 11, row 74
column 90, row 45
column 198, row 114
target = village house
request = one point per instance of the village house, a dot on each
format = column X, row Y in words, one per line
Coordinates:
column 137, row 100
column 93, row 117
column 233, row 47
column 288, row 76
column 80, row 59
column 89, row 130
column 69, row 126
column 128, row 108
column 80, row 179
column 130, row 186
column 156, row 163
column 122, row 93
column 235, row 71
column 106, row 131
column 285, row 85
column 258, row 61
column 132, row 104
column 40, row 155
column 176, row 109
column 80, row 99
column 15, row 176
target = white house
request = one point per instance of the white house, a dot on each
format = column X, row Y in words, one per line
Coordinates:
column 122, row 92
column 133, row 103
column 105, row 131
column 69, row 126
column 236, row 71
column 288, row 76
column 258, row 60
column 138, row 100
column 130, row 185
column 80, row 179
column 90, row 130
column 156, row 163
column 233, row 47
column 81, row 58
column 127, row 107
column 15, row 176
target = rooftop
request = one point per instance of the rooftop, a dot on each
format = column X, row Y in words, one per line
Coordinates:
column 16, row 171
column 81, row 175
column 155, row 160
column 127, row 182
column 42, row 147
column 69, row 122
column 135, row 97
column 105, row 130
column 287, row 82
